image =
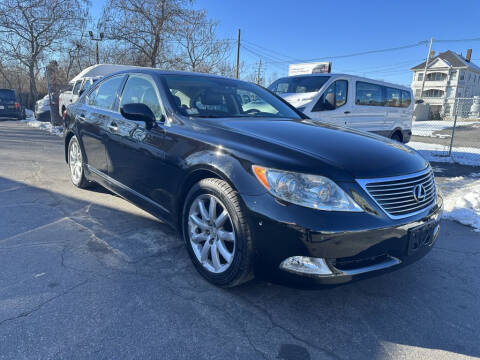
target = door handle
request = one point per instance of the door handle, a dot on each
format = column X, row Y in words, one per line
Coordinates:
column 346, row 112
column 113, row 126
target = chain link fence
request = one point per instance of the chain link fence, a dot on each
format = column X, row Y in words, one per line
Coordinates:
column 450, row 129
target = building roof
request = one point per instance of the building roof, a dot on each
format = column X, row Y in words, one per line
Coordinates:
column 452, row 59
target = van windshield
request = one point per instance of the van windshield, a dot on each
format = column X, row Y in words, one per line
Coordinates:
column 298, row 84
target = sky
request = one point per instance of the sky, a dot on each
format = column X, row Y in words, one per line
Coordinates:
column 280, row 32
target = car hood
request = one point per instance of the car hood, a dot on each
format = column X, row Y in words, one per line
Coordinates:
column 360, row 154
column 298, row 99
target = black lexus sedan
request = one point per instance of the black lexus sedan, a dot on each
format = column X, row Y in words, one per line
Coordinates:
column 252, row 185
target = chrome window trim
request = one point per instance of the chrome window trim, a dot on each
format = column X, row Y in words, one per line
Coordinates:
column 364, row 182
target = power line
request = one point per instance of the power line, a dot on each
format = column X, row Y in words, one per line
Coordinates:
column 269, row 50
column 459, row 40
column 423, row 42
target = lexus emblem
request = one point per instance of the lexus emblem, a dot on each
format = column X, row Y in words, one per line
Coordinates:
column 419, row 193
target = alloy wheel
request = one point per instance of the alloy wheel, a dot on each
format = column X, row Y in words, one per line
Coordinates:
column 75, row 162
column 211, row 233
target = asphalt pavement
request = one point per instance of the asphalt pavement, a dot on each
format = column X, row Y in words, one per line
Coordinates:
column 86, row 275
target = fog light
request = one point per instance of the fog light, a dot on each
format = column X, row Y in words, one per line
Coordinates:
column 306, row 265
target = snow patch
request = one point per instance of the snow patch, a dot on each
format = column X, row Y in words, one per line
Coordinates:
column 427, row 128
column 30, row 121
column 461, row 200
column 438, row 153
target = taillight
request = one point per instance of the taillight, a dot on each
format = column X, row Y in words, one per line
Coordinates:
column 17, row 105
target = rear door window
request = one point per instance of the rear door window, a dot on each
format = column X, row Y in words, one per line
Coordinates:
column 333, row 97
column 369, row 94
column 393, row 97
column 105, row 94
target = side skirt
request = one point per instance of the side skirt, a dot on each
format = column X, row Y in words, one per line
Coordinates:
column 129, row 194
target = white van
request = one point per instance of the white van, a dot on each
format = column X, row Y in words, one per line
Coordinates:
column 346, row 100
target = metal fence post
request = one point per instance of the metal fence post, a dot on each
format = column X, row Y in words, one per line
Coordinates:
column 454, row 126
column 52, row 121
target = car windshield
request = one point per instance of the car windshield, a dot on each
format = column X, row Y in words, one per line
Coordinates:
column 6, row 94
column 212, row 97
column 298, row 85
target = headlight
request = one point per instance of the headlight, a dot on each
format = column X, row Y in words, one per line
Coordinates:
column 313, row 191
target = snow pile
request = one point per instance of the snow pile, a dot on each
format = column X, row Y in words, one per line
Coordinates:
column 438, row 153
column 427, row 128
column 462, row 200
column 30, row 121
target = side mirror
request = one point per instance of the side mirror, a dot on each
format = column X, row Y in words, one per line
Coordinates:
column 138, row 112
column 81, row 92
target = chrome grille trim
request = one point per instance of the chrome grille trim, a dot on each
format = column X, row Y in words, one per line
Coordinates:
column 394, row 195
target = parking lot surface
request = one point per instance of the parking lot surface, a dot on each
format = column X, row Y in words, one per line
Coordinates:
column 86, row 275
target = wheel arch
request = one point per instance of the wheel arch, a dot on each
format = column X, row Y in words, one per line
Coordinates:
column 68, row 136
column 399, row 132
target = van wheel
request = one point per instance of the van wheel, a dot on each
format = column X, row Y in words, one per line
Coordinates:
column 75, row 162
column 396, row 136
column 217, row 234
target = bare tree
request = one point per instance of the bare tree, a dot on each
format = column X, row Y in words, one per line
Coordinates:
column 143, row 24
column 199, row 48
column 29, row 29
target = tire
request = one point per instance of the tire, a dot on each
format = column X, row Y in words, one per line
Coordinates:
column 76, row 165
column 224, row 262
column 396, row 136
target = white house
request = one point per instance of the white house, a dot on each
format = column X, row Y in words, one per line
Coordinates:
column 449, row 76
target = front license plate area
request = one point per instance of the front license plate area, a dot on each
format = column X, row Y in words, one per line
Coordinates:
column 420, row 237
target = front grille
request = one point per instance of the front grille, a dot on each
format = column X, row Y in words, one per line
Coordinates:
column 397, row 195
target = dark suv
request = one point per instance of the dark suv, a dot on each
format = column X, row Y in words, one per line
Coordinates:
column 253, row 186
column 10, row 107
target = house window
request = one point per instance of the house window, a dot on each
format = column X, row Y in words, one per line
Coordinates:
column 462, row 76
column 417, row 92
column 433, row 93
column 420, row 77
column 435, row 76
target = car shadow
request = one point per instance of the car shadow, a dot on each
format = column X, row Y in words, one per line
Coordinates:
column 137, row 259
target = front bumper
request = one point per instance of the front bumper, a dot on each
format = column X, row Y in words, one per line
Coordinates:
column 353, row 245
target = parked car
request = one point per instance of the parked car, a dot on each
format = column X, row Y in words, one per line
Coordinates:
column 10, row 107
column 346, row 100
column 72, row 92
column 253, row 192
column 42, row 109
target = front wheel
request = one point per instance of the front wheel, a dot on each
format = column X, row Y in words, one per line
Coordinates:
column 75, row 162
column 217, row 234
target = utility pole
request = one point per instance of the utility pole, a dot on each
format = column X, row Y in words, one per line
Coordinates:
column 238, row 53
column 258, row 72
column 426, row 66
column 100, row 38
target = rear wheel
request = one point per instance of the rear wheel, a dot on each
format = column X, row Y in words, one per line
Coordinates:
column 217, row 234
column 75, row 162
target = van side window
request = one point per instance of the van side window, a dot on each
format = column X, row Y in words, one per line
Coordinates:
column 393, row 97
column 369, row 94
column 334, row 97
column 406, row 98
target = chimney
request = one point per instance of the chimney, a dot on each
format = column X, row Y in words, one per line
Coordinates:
column 469, row 55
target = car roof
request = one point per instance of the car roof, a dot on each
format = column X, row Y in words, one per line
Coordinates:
column 360, row 78
column 147, row 70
